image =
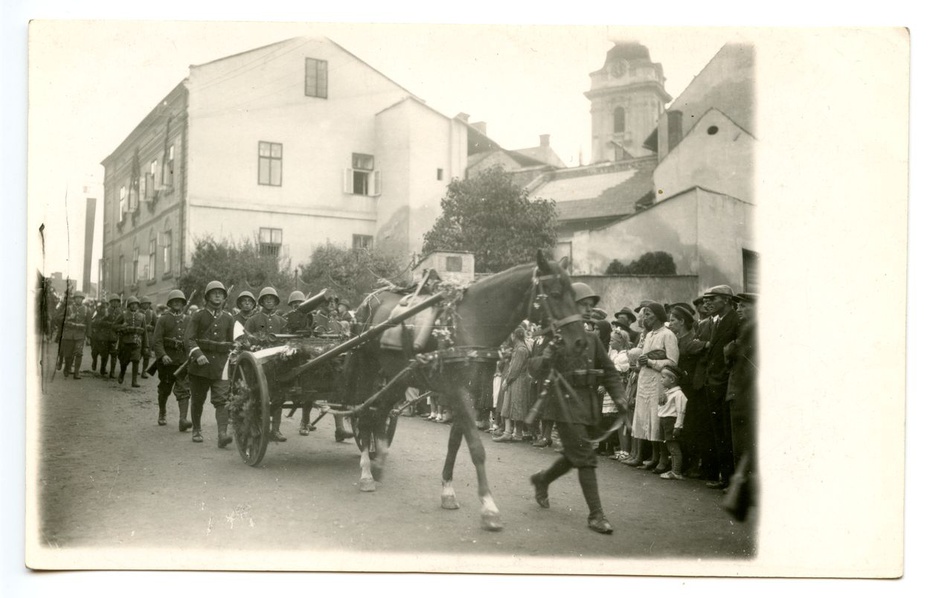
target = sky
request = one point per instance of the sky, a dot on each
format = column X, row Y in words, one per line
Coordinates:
column 92, row 82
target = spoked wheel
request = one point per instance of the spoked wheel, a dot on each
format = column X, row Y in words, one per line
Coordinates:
column 250, row 409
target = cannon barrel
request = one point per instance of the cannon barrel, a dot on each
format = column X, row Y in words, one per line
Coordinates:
column 362, row 338
column 313, row 302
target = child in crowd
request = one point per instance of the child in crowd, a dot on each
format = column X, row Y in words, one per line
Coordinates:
column 672, row 417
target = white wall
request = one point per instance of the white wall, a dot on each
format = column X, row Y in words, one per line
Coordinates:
column 721, row 162
column 259, row 96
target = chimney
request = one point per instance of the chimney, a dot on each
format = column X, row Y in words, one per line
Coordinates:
column 90, row 217
column 544, row 140
column 462, row 117
column 481, row 126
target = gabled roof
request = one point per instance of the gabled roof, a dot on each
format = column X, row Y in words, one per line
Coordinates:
column 733, row 92
column 597, row 196
column 542, row 154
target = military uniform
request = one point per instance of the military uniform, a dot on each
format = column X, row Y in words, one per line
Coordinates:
column 209, row 334
column 133, row 341
column 98, row 344
column 260, row 327
column 108, row 337
column 150, row 318
column 169, row 342
column 577, row 416
column 75, row 319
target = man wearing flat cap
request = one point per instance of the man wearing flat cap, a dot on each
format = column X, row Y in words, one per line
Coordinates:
column 719, row 303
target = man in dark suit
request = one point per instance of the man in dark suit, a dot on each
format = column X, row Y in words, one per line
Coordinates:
column 725, row 329
column 208, row 341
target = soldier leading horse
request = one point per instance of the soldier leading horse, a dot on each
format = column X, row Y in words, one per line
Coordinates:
column 487, row 313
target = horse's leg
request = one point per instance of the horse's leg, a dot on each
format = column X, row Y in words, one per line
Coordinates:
column 465, row 418
column 455, row 441
column 382, row 446
column 367, row 481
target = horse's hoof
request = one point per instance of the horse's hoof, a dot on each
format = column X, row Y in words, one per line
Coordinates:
column 491, row 522
column 377, row 471
column 367, row 486
column 449, row 502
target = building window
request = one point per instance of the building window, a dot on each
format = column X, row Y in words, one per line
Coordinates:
column 453, row 263
column 619, row 119
column 269, row 242
column 135, row 266
column 362, row 178
column 362, row 241
column 439, row 174
column 316, row 78
column 167, row 172
column 150, row 267
column 750, row 271
column 166, row 251
column 123, row 203
column 269, row 163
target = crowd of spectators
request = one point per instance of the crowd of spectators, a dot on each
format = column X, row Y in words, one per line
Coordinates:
column 689, row 370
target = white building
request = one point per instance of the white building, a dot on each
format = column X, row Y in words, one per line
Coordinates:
column 294, row 144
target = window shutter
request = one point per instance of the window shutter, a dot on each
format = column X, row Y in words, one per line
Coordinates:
column 376, row 187
column 347, row 181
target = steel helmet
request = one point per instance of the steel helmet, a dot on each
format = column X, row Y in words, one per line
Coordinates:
column 143, row 300
column 176, row 294
column 244, row 295
column 583, row 291
column 78, row 295
column 213, row 285
column 113, row 297
column 296, row 296
column 269, row 291
column 131, row 300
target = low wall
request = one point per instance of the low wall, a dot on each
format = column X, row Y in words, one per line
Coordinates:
column 628, row 291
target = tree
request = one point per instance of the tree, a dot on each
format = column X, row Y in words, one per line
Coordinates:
column 652, row 263
column 241, row 265
column 493, row 218
column 348, row 273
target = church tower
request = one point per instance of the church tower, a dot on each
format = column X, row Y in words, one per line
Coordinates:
column 627, row 97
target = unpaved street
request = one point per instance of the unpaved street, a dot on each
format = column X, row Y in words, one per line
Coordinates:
column 111, row 478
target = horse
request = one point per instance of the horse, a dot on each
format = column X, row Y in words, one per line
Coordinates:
column 486, row 314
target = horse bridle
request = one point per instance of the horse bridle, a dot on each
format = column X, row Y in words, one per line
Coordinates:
column 540, row 297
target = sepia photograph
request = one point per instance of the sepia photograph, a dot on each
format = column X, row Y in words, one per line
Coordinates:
column 448, row 298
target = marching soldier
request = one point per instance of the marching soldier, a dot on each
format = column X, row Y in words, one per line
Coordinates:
column 96, row 334
column 75, row 319
column 578, row 414
column 169, row 355
column 246, row 304
column 261, row 326
column 208, row 340
column 105, row 331
column 145, row 305
column 133, row 340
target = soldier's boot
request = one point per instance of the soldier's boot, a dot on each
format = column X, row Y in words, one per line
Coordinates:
column 93, row 362
column 596, row 519
column 162, row 405
column 135, row 375
column 113, row 367
column 341, row 432
column 77, row 366
column 145, row 367
column 305, row 427
column 103, row 365
column 59, row 362
column 276, row 434
column 184, row 424
column 222, row 422
column 122, row 373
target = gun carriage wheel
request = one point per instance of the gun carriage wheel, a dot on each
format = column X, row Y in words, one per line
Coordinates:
column 250, row 409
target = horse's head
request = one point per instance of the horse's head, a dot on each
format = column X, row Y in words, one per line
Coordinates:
column 556, row 300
